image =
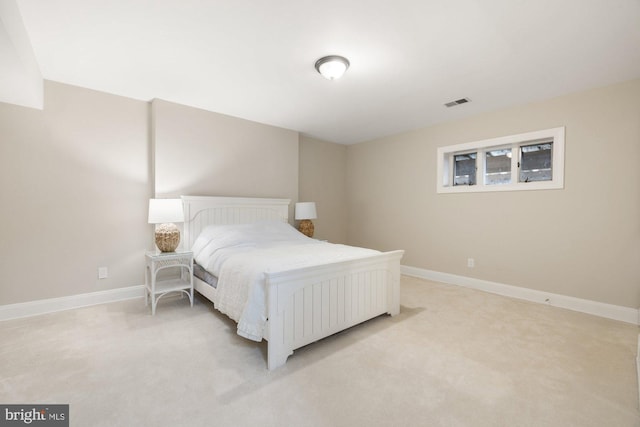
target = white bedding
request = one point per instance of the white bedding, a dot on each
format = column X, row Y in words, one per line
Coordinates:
column 240, row 255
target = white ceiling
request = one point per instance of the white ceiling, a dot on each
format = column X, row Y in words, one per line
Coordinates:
column 255, row 59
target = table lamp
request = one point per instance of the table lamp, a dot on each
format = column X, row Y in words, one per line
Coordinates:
column 305, row 212
column 165, row 212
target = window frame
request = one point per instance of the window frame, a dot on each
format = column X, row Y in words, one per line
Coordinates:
column 445, row 156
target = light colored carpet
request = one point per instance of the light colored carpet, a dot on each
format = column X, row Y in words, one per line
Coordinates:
column 453, row 357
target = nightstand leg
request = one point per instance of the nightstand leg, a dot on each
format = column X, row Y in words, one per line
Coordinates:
column 146, row 286
column 152, row 295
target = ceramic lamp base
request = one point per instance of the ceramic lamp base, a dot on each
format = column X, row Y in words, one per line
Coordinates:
column 306, row 227
column 167, row 237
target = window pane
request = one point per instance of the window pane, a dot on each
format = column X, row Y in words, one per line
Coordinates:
column 464, row 169
column 535, row 162
column 498, row 167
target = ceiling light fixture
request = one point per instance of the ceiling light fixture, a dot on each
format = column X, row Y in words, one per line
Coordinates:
column 332, row 67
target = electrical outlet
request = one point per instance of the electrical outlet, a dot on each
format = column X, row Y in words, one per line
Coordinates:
column 103, row 273
column 471, row 262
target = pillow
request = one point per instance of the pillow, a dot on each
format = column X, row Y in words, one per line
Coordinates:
column 273, row 231
column 214, row 237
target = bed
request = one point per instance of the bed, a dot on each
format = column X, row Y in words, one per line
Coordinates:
column 308, row 302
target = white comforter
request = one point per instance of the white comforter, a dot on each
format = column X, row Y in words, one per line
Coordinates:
column 240, row 255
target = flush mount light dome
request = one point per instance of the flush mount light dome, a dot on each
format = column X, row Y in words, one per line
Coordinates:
column 332, row 67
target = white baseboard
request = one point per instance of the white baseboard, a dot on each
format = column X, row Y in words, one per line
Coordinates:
column 609, row 311
column 51, row 305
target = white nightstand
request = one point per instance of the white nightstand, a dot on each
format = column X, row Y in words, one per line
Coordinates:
column 157, row 261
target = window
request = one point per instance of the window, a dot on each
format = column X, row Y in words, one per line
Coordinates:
column 464, row 169
column 498, row 167
column 529, row 161
column 535, row 162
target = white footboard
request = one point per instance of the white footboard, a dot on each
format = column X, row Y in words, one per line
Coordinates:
column 309, row 304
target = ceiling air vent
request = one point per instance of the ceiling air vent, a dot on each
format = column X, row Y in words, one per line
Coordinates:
column 457, row 102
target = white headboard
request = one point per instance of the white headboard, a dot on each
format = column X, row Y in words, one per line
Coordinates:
column 200, row 211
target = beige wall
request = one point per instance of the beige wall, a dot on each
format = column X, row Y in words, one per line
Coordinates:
column 198, row 152
column 74, row 184
column 76, row 179
column 582, row 241
column 322, row 179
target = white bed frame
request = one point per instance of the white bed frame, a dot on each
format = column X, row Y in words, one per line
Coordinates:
column 307, row 304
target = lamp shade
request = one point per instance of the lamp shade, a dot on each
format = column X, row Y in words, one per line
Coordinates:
column 306, row 210
column 163, row 211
